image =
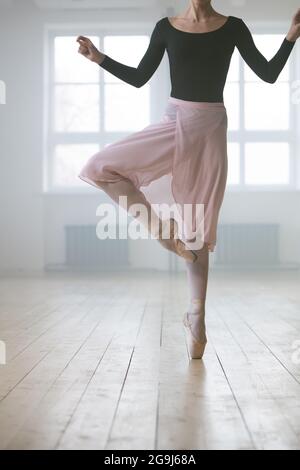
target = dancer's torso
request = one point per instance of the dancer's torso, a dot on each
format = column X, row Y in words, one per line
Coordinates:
column 199, row 62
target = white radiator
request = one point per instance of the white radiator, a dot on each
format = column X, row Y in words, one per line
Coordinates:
column 85, row 250
column 247, row 244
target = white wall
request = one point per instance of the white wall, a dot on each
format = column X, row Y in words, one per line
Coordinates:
column 21, row 236
column 32, row 223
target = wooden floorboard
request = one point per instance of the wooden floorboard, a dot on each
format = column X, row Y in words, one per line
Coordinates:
column 100, row 362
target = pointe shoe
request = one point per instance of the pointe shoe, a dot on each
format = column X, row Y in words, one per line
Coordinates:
column 175, row 244
column 195, row 347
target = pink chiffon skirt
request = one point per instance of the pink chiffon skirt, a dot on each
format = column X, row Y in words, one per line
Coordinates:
column 178, row 162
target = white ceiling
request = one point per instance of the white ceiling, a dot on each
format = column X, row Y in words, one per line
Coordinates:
column 93, row 4
column 6, row 3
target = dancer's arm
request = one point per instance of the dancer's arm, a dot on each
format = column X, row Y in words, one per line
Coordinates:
column 264, row 69
column 132, row 75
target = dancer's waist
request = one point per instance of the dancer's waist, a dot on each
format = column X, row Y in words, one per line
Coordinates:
column 196, row 104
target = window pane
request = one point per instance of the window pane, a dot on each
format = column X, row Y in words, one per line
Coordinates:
column 233, row 152
column 126, row 108
column 267, row 163
column 68, row 161
column 267, row 107
column 232, row 103
column 76, row 108
column 128, row 50
column 70, row 66
column 233, row 73
column 268, row 45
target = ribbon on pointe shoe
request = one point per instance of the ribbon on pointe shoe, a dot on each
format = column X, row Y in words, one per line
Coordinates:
column 181, row 247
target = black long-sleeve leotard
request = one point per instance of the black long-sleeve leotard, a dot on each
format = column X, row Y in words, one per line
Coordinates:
column 199, row 62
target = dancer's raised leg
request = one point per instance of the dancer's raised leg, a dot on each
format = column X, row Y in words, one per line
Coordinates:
column 163, row 230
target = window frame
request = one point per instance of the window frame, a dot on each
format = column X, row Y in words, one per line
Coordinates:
column 51, row 138
column 243, row 136
column 159, row 91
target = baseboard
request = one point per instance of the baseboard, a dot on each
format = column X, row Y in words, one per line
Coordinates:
column 22, row 273
column 61, row 268
column 257, row 267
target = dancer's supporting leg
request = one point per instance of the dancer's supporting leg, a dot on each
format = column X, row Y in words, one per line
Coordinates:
column 197, row 276
column 149, row 218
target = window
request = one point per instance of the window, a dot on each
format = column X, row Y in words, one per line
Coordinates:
column 87, row 105
column 89, row 108
column 260, row 122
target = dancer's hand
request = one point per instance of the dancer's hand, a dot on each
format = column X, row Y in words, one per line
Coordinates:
column 294, row 32
column 88, row 50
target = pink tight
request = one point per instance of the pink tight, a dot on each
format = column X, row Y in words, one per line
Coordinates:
column 197, row 276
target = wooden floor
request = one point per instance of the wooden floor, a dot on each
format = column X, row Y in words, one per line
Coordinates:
column 100, row 362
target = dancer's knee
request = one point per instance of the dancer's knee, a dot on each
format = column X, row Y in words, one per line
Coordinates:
column 97, row 172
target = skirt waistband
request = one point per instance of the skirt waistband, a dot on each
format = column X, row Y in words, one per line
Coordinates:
column 196, row 104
